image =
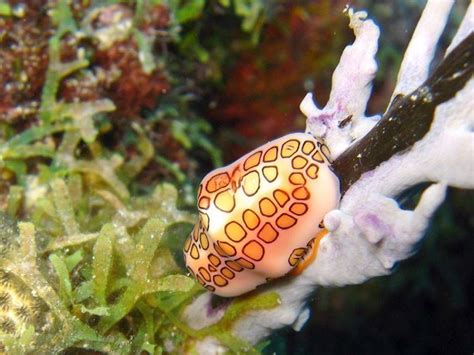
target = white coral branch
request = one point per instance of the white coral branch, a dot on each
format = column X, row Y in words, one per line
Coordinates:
column 369, row 232
column 466, row 27
column 416, row 62
column 351, row 88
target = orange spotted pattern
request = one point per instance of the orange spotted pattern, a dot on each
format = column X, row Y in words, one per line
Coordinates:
column 258, row 217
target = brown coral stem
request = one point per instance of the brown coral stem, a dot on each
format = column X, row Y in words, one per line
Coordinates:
column 408, row 118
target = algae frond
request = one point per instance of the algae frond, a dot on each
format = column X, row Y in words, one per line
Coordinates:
column 90, row 244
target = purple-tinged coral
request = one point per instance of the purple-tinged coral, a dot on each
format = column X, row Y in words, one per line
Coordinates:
column 351, row 88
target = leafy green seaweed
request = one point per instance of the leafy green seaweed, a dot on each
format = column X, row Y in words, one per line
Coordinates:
column 97, row 250
column 5, row 9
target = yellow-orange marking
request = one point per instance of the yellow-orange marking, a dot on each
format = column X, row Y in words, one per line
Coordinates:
column 220, row 251
column 235, row 179
column 245, row 263
column 267, row 208
column 311, row 254
column 252, row 160
column 301, row 193
column 326, row 152
column 225, row 200
column 318, row 157
column 219, row 280
column 217, row 182
column 298, row 208
column 285, row 221
column 205, row 274
column 299, row 162
column 297, row 179
column 204, row 220
column 204, row 202
column 296, row 255
column 227, row 273
column 194, row 252
column 268, row 234
column 204, row 241
column 312, row 171
column 308, row 147
column 270, row 154
column 214, row 260
column 251, row 219
column 228, row 249
column 234, row 265
column 254, row 250
column 281, row 197
column 251, row 183
column 270, row 173
column 289, row 148
column 235, row 231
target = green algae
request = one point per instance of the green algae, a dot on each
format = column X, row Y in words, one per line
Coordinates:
column 74, row 300
column 5, row 9
column 103, row 262
column 106, row 274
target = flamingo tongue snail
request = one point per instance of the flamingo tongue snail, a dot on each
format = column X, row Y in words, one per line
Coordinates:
column 260, row 216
